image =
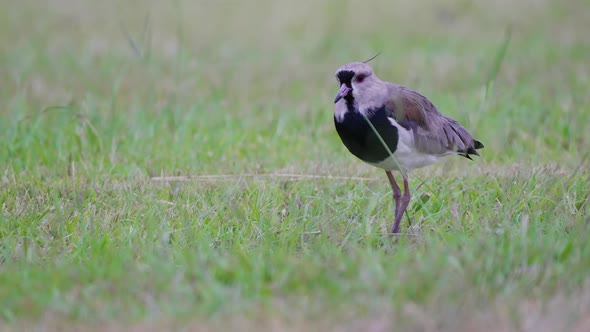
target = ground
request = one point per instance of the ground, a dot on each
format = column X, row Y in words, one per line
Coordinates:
column 174, row 165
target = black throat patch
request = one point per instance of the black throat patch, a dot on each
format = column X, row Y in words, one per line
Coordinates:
column 345, row 77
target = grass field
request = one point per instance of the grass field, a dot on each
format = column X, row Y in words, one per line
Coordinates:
column 170, row 166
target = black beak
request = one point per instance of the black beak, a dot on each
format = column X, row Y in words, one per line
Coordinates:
column 343, row 92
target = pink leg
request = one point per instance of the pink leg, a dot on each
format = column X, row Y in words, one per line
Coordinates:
column 397, row 192
column 402, row 205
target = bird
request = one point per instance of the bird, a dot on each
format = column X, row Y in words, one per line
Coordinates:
column 394, row 128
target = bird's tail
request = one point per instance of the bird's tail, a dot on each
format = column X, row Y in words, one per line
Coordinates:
column 471, row 150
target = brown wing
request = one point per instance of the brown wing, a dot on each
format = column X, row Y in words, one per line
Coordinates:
column 434, row 132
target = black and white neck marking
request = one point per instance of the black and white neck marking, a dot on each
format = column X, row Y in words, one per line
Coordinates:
column 347, row 103
column 360, row 138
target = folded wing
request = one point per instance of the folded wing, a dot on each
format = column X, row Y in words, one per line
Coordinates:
column 434, row 133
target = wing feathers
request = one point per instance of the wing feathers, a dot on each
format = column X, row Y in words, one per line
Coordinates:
column 434, row 132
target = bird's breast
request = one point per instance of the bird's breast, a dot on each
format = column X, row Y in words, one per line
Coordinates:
column 372, row 139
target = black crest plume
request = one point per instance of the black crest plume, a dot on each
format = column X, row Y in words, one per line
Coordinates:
column 376, row 55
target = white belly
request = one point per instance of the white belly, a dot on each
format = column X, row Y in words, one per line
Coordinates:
column 406, row 157
column 407, row 160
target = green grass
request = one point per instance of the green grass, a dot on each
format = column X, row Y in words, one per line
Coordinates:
column 176, row 167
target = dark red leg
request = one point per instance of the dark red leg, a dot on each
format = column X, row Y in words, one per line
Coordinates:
column 397, row 192
column 401, row 206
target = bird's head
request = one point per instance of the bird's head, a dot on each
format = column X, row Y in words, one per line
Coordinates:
column 355, row 79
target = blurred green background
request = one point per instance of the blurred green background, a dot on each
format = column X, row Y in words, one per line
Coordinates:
column 98, row 98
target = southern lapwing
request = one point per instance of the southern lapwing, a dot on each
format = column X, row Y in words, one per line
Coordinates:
column 394, row 128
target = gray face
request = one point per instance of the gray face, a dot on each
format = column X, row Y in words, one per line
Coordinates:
column 352, row 78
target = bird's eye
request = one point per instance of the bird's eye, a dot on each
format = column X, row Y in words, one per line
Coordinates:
column 360, row 78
